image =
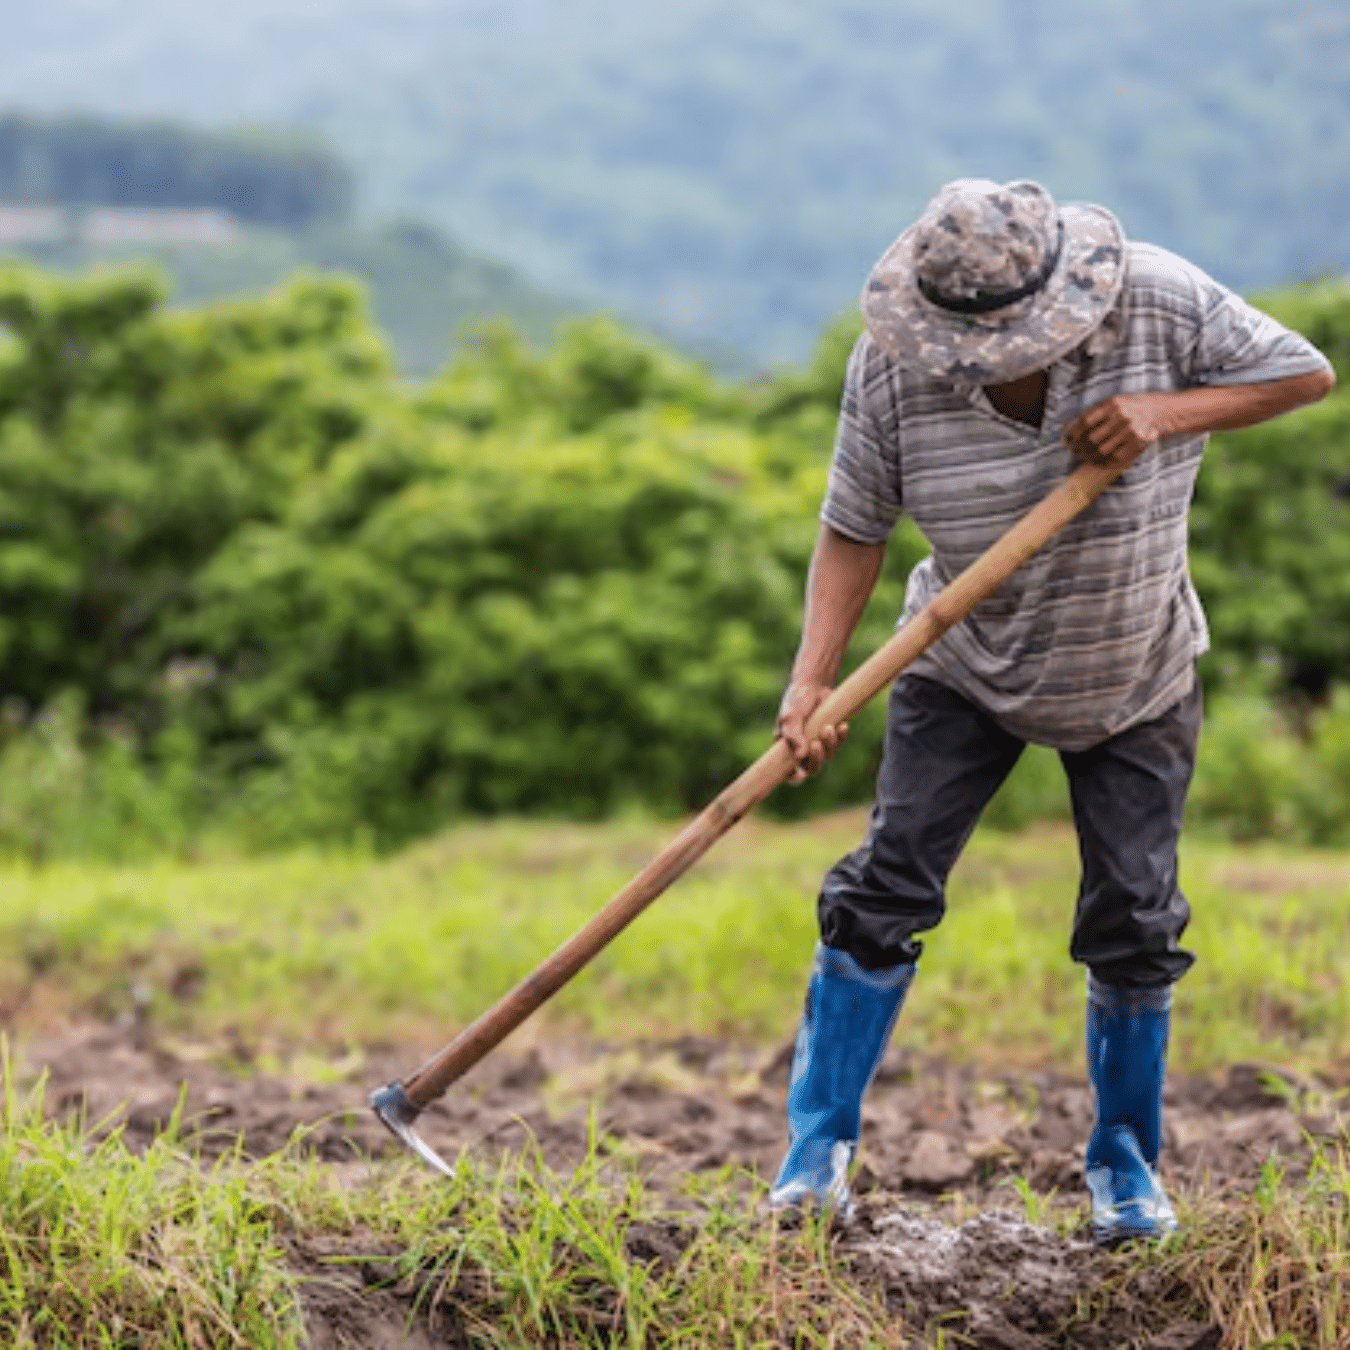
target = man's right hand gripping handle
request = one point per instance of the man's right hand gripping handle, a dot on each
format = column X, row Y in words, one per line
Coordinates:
column 800, row 700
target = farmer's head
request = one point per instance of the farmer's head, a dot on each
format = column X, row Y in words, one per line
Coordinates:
column 994, row 281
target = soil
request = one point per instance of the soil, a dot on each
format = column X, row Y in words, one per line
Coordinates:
column 939, row 1230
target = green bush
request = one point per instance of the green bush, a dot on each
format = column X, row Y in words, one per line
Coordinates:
column 1325, row 797
column 251, row 586
column 65, row 792
column 1271, row 549
column 570, row 614
column 565, row 584
column 133, row 443
column 1249, row 773
column 1035, row 790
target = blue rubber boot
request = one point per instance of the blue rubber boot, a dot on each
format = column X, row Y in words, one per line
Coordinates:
column 845, row 1025
column 1127, row 1055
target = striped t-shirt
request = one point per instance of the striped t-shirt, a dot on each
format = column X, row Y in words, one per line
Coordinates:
column 1101, row 628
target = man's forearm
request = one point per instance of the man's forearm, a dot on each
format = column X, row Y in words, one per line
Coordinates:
column 1119, row 429
column 1227, row 407
column 842, row 576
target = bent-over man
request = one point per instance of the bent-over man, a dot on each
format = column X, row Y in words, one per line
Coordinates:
column 1005, row 335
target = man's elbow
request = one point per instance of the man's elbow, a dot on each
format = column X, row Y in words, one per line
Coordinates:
column 1321, row 383
column 1297, row 391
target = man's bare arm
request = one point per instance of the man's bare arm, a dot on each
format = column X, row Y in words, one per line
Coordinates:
column 1118, row 430
column 842, row 576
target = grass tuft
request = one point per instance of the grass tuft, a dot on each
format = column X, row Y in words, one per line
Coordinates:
column 103, row 1248
column 1271, row 1268
column 521, row 1255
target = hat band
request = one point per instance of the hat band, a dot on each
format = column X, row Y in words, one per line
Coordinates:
column 983, row 302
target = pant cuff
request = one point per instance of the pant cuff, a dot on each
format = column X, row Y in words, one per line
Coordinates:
column 1116, row 1000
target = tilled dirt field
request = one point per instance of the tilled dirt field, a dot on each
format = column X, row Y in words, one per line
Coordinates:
column 932, row 1133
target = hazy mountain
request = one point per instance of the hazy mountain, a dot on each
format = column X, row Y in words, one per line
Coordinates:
column 727, row 173
column 424, row 289
column 227, row 213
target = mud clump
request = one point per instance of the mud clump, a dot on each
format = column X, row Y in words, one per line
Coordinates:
column 999, row 1282
column 994, row 1280
column 350, row 1305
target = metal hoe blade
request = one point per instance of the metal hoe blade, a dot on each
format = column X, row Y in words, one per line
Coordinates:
column 397, row 1113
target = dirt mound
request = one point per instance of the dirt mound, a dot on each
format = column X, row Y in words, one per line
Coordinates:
column 998, row 1282
column 692, row 1104
column 1011, row 1281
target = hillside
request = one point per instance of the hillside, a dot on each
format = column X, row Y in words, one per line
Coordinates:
column 726, row 175
column 425, row 288
column 225, row 213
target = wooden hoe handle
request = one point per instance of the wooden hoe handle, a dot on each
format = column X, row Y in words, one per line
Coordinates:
column 948, row 607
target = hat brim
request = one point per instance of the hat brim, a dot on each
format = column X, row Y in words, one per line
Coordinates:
column 1006, row 343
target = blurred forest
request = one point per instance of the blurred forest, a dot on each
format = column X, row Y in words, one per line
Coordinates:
column 255, row 587
column 264, row 179
column 726, row 174
column 277, row 202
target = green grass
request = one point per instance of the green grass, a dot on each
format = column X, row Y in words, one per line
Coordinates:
column 105, row 1248
column 1272, row 1269
column 527, row 1257
column 100, row 1247
column 331, row 951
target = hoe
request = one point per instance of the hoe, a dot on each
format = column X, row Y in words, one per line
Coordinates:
column 400, row 1103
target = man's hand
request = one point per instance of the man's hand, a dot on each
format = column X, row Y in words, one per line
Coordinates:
column 800, row 700
column 1119, row 430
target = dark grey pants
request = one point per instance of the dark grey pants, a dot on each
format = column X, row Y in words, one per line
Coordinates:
column 944, row 759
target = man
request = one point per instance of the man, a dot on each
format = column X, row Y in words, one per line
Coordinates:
column 1006, row 334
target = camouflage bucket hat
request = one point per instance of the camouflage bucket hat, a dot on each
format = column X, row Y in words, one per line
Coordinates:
column 994, row 281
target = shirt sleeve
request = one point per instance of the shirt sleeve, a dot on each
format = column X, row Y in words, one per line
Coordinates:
column 1237, row 344
column 864, row 498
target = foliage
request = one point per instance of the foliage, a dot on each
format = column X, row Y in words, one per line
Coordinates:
column 1262, row 776
column 133, row 444
column 1271, row 524
column 252, row 584
column 553, row 584
column 279, row 179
